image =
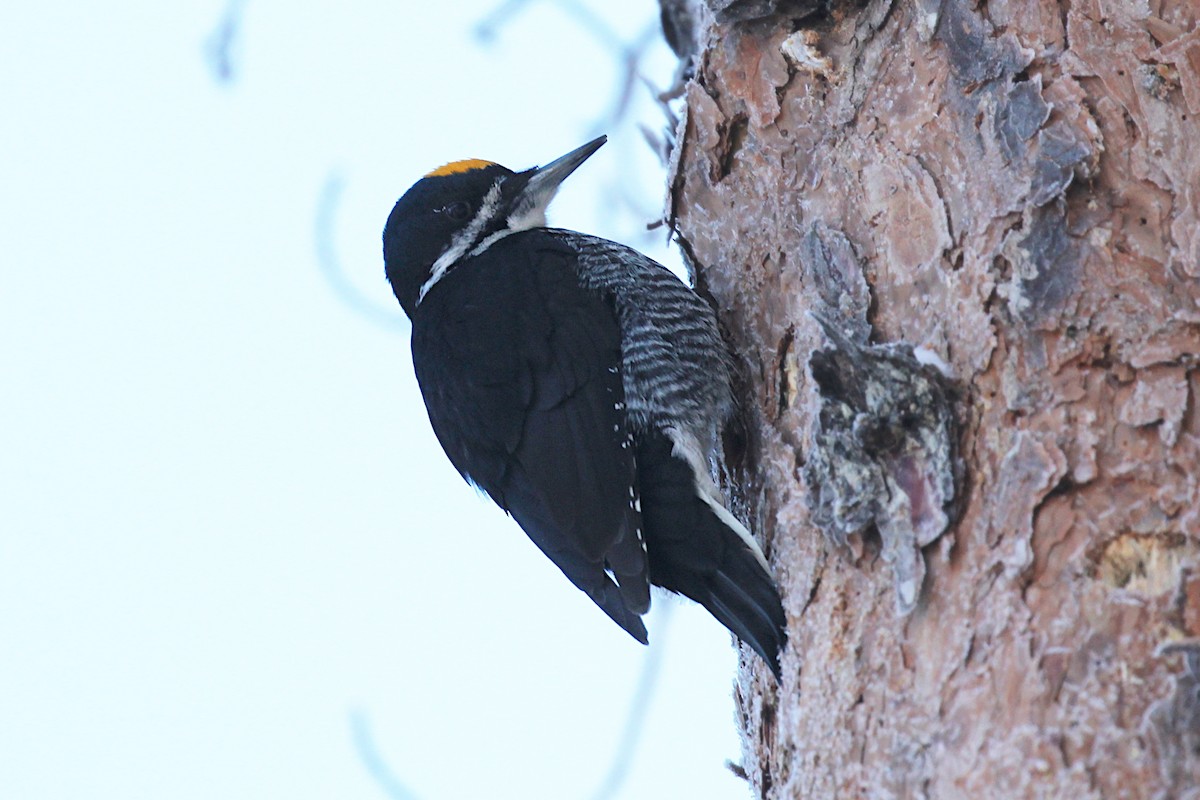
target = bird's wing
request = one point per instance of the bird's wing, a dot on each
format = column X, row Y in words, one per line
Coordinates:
column 520, row 369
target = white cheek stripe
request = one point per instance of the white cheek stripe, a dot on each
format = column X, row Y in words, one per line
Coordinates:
column 530, row 219
column 462, row 240
column 491, row 240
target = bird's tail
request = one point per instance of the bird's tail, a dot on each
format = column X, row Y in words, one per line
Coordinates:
column 695, row 550
column 742, row 597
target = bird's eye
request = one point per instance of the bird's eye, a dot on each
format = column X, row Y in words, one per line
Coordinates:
column 458, row 211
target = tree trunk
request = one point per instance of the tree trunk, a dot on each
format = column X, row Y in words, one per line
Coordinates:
column 993, row 578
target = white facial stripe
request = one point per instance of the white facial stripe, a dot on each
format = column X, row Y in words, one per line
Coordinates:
column 491, row 240
column 463, row 240
column 520, row 220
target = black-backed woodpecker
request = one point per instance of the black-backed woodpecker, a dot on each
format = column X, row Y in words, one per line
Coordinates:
column 583, row 387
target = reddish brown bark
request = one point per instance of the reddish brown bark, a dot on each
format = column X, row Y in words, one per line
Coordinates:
column 1020, row 186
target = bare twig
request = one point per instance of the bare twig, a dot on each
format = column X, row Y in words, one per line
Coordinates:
column 364, row 745
column 628, row 55
column 639, row 706
column 220, row 46
column 486, row 29
column 330, row 264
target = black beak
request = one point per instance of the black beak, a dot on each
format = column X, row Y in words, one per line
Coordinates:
column 544, row 181
column 548, row 178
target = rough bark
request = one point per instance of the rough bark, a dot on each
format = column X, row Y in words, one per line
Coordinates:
column 1014, row 188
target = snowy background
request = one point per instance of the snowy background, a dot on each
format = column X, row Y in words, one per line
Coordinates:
column 234, row 562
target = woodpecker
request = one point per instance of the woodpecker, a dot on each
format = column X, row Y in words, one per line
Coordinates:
column 583, row 387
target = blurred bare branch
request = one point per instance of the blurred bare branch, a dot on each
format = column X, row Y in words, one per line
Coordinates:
column 220, row 48
column 630, row 59
column 331, row 266
column 364, row 745
column 627, row 742
column 487, row 28
column 627, row 55
column 639, row 707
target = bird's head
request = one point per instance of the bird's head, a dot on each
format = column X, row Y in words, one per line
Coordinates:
column 458, row 210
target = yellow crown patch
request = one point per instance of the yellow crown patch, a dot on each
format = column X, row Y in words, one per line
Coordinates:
column 456, row 167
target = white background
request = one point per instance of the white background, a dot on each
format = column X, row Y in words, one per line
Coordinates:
column 233, row 561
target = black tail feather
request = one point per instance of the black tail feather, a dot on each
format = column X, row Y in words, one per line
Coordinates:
column 749, row 607
column 693, row 552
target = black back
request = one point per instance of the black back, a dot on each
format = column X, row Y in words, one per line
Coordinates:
column 519, row 368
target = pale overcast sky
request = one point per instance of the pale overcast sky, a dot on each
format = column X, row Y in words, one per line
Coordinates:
column 230, row 543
